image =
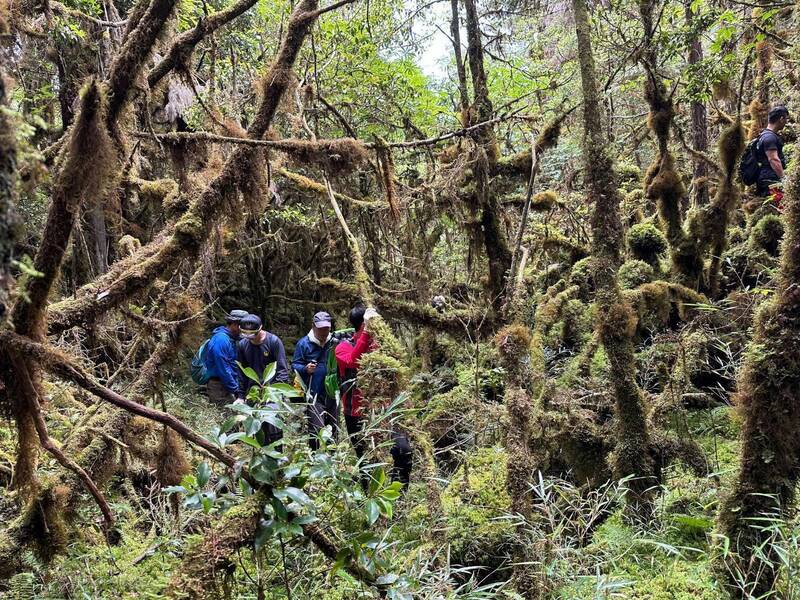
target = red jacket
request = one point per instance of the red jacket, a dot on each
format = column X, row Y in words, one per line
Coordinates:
column 348, row 357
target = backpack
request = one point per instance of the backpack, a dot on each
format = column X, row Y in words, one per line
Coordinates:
column 332, row 383
column 750, row 166
column 198, row 369
column 332, row 375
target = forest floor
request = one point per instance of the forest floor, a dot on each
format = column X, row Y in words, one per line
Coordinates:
column 669, row 560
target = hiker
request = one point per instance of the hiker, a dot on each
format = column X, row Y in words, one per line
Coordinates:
column 310, row 360
column 220, row 361
column 769, row 152
column 348, row 356
column 257, row 349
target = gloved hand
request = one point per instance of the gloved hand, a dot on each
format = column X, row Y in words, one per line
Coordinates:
column 369, row 316
column 239, row 401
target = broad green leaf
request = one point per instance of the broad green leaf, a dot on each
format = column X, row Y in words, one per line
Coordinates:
column 203, row 474
column 269, row 372
column 373, row 512
column 249, row 373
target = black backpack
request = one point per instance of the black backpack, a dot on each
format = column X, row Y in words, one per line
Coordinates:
column 750, row 166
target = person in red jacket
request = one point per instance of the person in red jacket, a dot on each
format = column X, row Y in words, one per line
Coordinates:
column 348, row 356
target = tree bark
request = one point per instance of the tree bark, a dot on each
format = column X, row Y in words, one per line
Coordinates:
column 767, row 398
column 699, row 117
column 617, row 321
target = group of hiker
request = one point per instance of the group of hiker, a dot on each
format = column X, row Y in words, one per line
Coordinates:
column 244, row 340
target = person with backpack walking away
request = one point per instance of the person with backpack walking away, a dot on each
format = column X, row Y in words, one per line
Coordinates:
column 348, row 357
column 220, row 361
column 257, row 349
column 310, row 361
column 763, row 161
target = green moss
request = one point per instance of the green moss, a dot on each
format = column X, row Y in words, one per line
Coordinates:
column 94, row 569
column 576, row 323
column 634, row 273
column 544, row 201
column 646, row 242
column 381, row 377
column 628, row 174
column 475, row 504
column 598, row 367
column 582, row 275
column 767, row 234
column 444, row 414
column 642, row 568
column 747, row 265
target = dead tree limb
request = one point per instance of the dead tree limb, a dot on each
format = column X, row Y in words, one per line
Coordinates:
column 182, row 46
column 65, row 367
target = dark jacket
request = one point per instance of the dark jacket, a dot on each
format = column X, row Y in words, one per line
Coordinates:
column 258, row 356
column 306, row 352
column 220, row 359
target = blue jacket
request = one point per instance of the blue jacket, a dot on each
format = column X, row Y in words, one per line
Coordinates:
column 305, row 352
column 220, row 359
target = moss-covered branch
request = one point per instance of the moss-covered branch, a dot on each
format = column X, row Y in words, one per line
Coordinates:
column 456, row 321
column 67, row 368
column 193, row 229
column 181, row 48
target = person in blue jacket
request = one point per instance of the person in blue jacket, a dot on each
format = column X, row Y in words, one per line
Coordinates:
column 310, row 361
column 220, row 361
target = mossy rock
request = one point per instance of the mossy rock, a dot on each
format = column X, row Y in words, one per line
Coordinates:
column 767, row 234
column 446, row 415
column 634, row 273
column 582, row 275
column 646, row 242
column 576, row 323
column 747, row 266
column 476, row 503
column 544, row 201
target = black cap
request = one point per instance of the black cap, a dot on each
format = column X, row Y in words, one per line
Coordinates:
column 235, row 316
column 250, row 324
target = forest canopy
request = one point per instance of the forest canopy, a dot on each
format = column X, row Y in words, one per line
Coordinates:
column 449, row 299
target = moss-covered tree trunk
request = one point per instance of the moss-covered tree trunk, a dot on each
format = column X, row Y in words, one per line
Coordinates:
column 495, row 240
column 616, row 319
column 699, row 114
column 518, row 352
column 768, row 399
column 8, row 174
column 92, row 134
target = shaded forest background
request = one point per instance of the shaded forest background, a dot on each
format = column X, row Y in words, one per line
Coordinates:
column 590, row 329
